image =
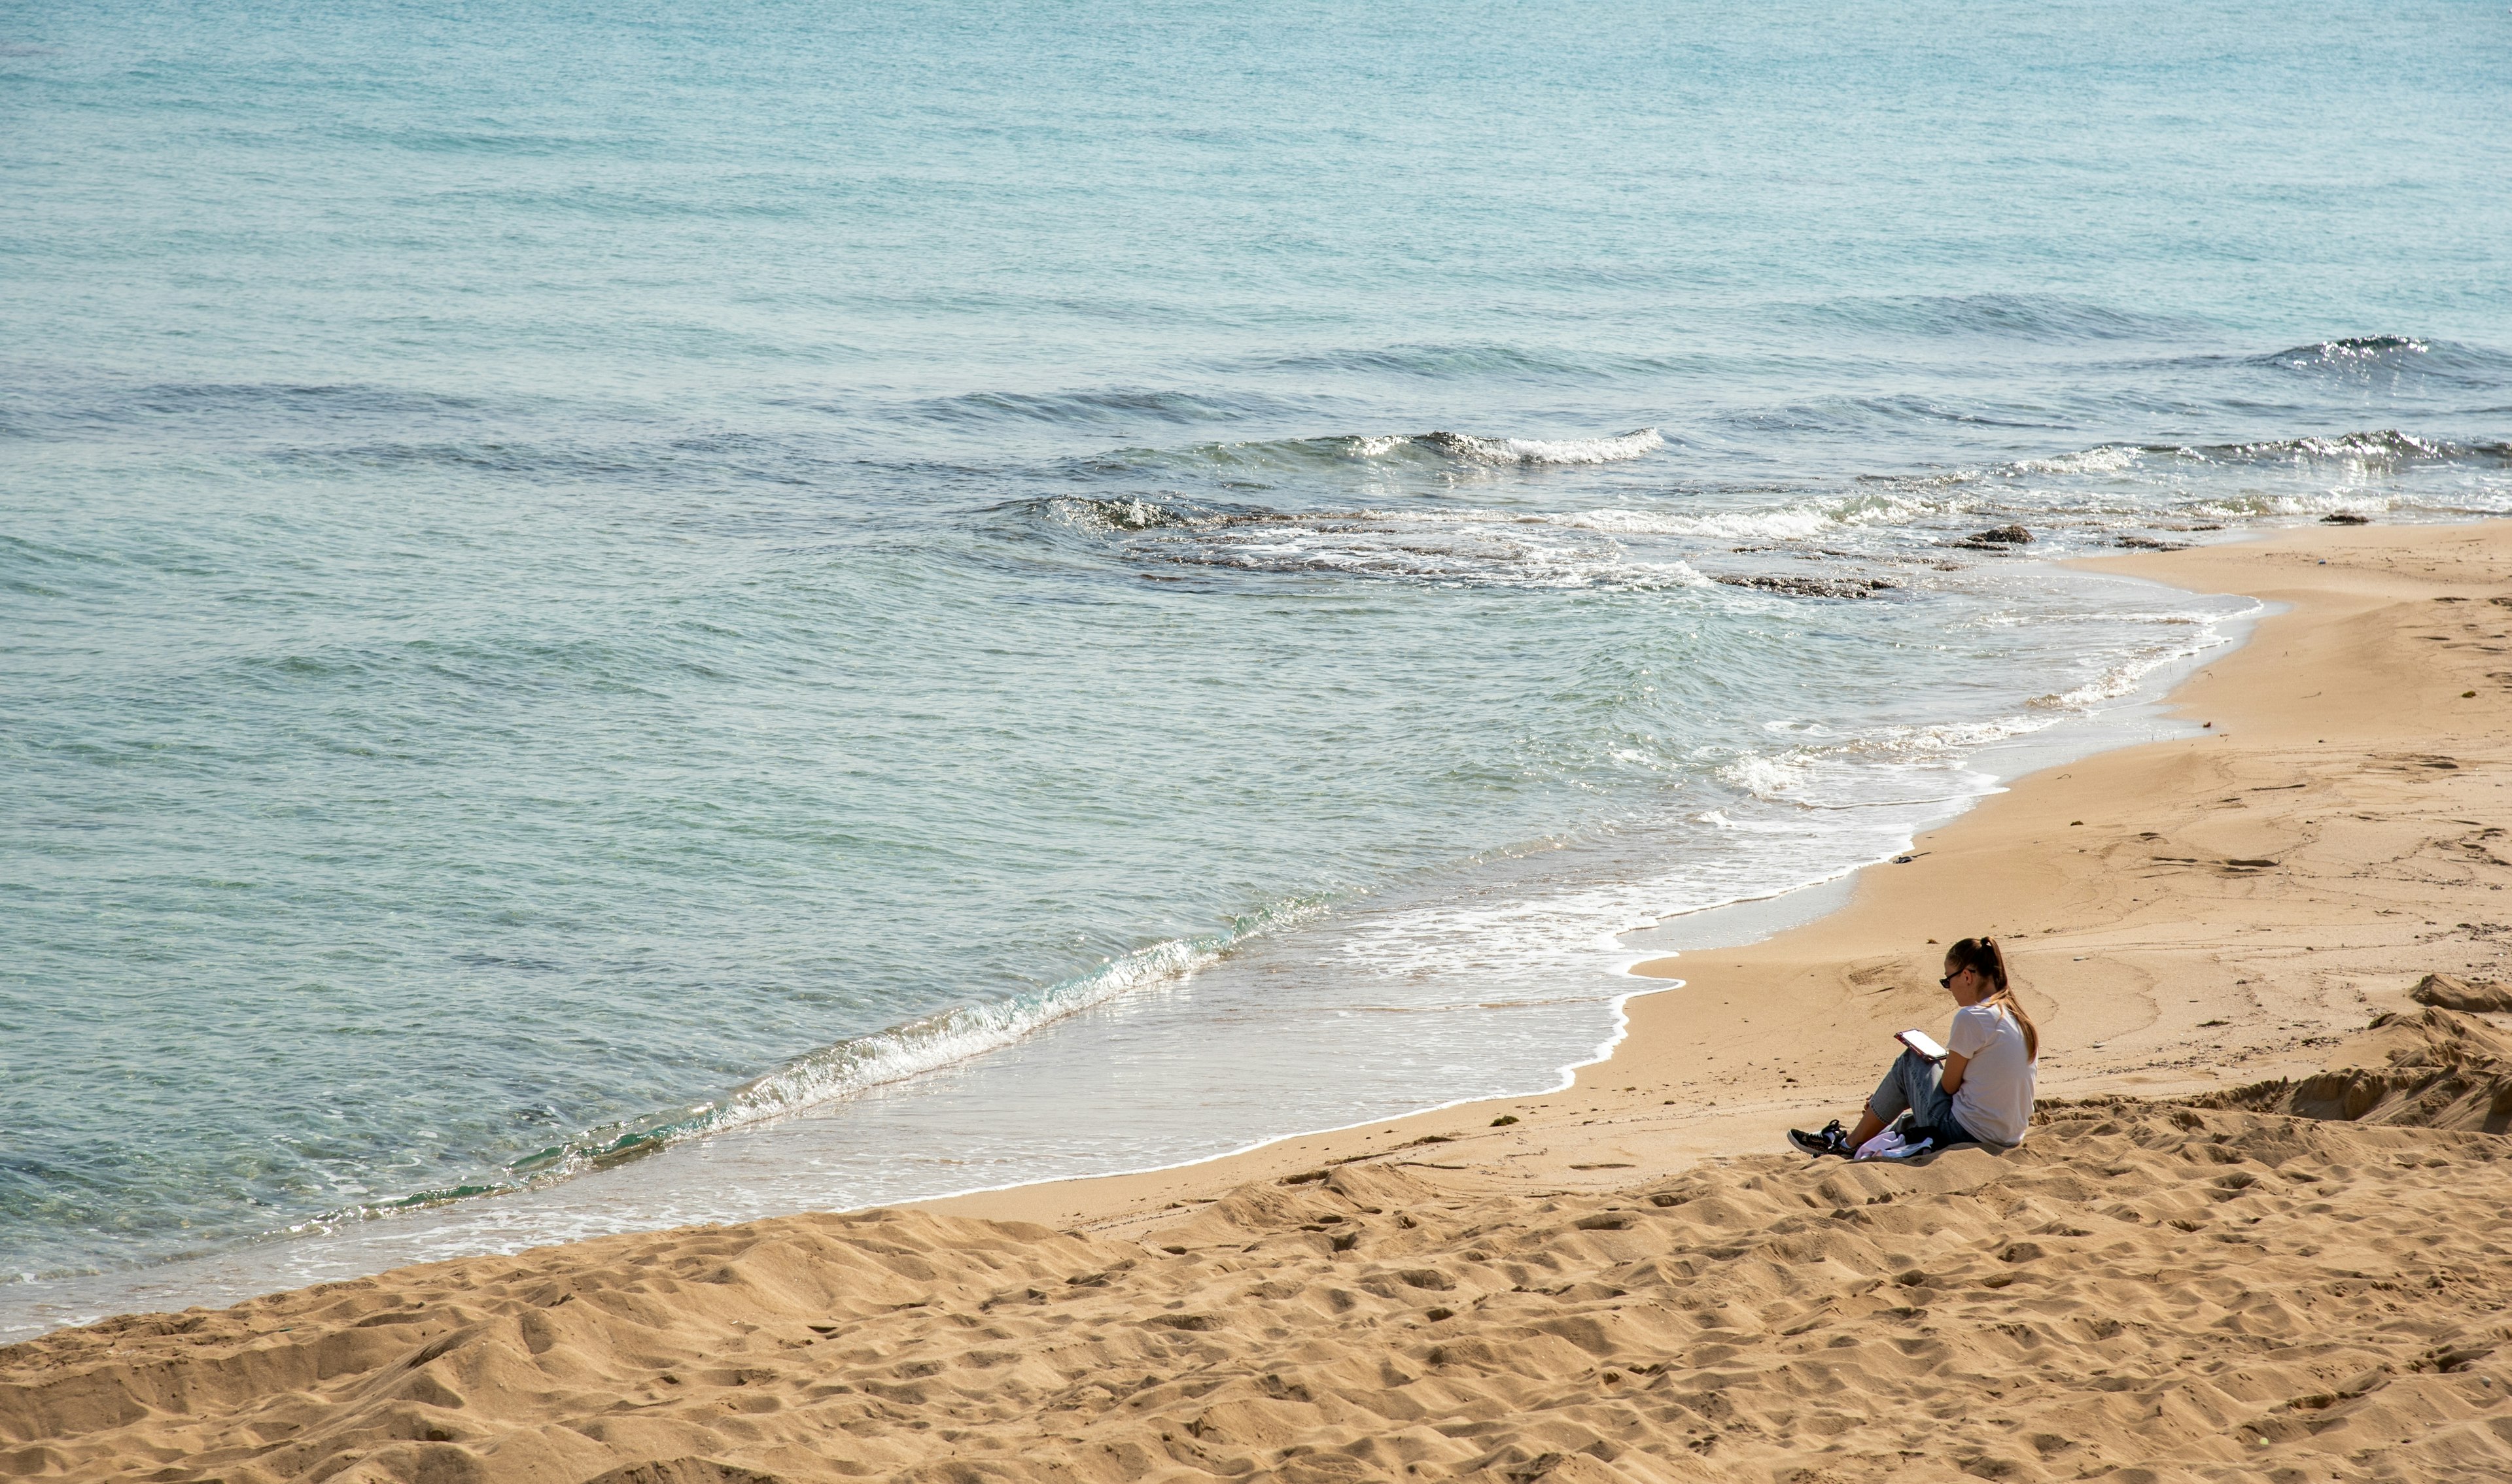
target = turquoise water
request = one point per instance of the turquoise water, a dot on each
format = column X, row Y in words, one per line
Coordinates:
column 913, row 598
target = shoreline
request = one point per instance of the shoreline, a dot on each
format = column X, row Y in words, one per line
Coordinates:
column 1635, row 963
column 354, row 1249
column 1122, row 1202
column 1627, row 1278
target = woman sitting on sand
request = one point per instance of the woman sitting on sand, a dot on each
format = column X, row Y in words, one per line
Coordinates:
column 1981, row 1093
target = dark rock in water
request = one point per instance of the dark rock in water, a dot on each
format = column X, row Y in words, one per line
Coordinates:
column 2148, row 543
column 2345, row 518
column 1812, row 587
column 2447, row 992
column 1995, row 539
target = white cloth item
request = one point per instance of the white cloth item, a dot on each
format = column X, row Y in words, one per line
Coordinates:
column 1889, row 1144
column 1996, row 1100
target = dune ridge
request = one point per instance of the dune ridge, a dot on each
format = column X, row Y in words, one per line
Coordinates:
column 2438, row 1068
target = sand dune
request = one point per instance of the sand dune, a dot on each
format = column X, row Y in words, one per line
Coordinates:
column 2433, row 1070
column 2260, row 1233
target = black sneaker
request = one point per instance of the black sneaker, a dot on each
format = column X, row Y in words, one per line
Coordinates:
column 1831, row 1141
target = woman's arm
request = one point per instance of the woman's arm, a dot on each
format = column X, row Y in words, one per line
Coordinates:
column 1951, row 1078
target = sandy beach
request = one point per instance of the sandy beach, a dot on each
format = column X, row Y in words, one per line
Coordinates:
column 2256, row 1234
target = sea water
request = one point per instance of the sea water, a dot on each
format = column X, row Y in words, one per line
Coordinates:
column 615, row 616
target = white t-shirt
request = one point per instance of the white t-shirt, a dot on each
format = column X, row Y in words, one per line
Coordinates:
column 1995, row 1099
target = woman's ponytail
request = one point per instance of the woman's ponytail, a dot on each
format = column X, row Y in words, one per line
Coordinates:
column 1983, row 954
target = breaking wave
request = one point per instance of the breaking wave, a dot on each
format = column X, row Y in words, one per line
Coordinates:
column 2373, row 358
column 2355, row 350
column 1469, row 548
column 855, row 1066
column 2381, row 445
column 1528, row 450
column 2385, row 450
column 1433, row 453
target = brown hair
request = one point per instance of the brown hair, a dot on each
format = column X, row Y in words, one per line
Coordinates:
column 1983, row 954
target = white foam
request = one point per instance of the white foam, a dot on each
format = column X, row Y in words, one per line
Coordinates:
column 1589, row 450
column 2124, row 677
column 954, row 1034
column 1766, row 777
column 1476, row 448
column 2255, row 503
column 903, row 1052
column 2107, row 458
column 1794, row 520
column 1450, row 547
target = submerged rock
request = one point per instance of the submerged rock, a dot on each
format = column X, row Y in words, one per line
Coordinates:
column 1811, row 587
column 1995, row 539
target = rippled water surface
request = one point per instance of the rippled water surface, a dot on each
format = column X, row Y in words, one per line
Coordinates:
column 890, row 600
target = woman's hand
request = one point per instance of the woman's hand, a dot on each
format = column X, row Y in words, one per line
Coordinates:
column 1951, row 1078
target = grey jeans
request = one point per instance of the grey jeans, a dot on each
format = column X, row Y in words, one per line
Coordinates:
column 1915, row 1085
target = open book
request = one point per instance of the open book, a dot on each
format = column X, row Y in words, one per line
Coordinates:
column 1923, row 1043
